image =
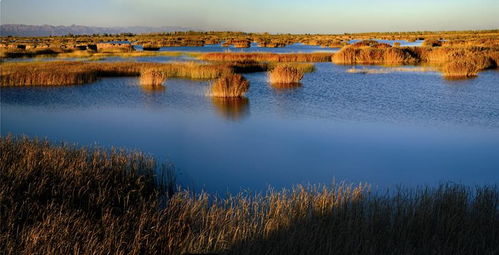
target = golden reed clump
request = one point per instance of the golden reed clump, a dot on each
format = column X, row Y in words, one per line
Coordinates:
column 467, row 67
column 284, row 74
column 152, row 78
column 230, row 85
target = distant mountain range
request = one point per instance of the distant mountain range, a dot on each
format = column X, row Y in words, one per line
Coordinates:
column 47, row 30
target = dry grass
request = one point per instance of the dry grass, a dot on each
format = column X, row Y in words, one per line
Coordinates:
column 467, row 67
column 269, row 57
column 30, row 46
column 284, row 74
column 368, row 55
column 66, row 53
column 301, row 67
column 432, row 43
column 67, row 200
column 454, row 62
column 230, row 85
column 152, row 78
column 78, row 72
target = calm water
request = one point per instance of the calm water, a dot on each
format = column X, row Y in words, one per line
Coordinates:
column 384, row 129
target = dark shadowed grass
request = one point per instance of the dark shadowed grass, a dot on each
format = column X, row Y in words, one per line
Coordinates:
column 60, row 199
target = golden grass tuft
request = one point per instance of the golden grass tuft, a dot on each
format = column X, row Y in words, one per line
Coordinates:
column 231, row 85
column 285, row 74
column 152, row 78
column 467, row 67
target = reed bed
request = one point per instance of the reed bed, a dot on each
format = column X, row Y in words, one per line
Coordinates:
column 269, row 57
column 467, row 67
column 231, row 85
column 61, row 199
column 68, row 53
column 284, row 74
column 367, row 55
column 301, row 67
column 78, row 72
column 34, row 46
column 452, row 61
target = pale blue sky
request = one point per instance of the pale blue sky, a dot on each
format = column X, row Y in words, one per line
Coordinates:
column 312, row 16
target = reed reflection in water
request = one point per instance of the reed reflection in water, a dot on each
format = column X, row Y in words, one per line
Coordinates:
column 235, row 108
column 286, row 86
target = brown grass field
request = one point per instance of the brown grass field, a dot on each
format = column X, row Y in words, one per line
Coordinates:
column 61, row 199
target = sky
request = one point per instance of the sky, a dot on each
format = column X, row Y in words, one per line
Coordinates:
column 274, row 16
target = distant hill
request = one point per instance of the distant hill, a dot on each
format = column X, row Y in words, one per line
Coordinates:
column 47, row 30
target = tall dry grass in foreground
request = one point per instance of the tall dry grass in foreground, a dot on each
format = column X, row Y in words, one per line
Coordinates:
column 231, row 85
column 285, row 75
column 65, row 200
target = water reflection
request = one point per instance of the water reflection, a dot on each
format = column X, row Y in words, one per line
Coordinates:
column 286, row 86
column 231, row 108
column 153, row 90
column 153, row 96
